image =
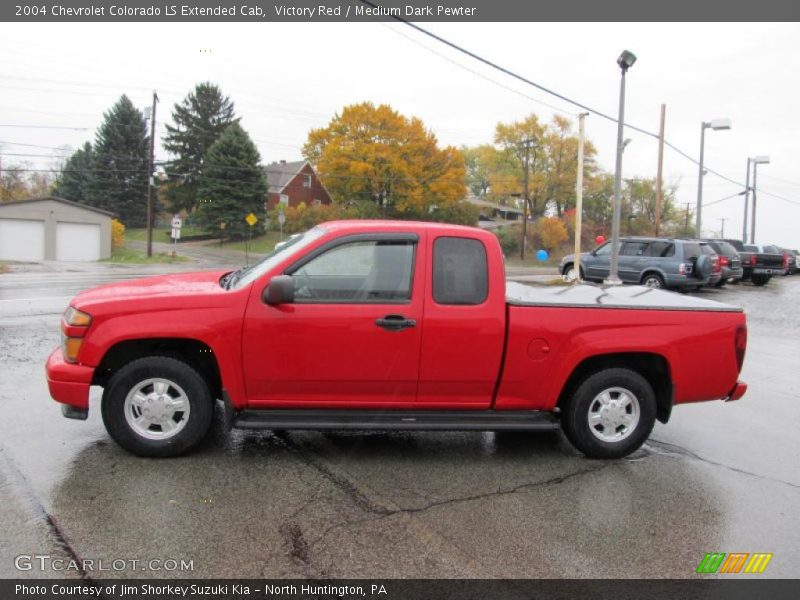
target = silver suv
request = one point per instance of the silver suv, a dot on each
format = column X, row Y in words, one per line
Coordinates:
column 653, row 262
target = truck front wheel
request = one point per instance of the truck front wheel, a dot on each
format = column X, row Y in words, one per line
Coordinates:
column 157, row 406
column 610, row 414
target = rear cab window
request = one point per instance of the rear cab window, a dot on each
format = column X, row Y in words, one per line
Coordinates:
column 460, row 271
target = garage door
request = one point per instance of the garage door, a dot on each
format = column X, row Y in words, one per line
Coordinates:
column 77, row 241
column 21, row 240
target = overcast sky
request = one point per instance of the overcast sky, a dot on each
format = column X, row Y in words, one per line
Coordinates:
column 289, row 77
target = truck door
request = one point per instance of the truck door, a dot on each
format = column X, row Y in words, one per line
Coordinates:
column 465, row 320
column 351, row 338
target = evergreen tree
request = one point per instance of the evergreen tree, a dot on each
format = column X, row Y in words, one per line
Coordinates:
column 200, row 119
column 73, row 182
column 120, row 162
column 232, row 184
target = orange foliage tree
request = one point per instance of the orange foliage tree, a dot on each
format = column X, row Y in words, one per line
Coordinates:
column 374, row 154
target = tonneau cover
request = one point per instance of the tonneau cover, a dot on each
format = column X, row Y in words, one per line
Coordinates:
column 586, row 295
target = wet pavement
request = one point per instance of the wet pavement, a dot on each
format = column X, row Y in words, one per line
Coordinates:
column 719, row 477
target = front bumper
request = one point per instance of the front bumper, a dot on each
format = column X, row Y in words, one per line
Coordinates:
column 68, row 383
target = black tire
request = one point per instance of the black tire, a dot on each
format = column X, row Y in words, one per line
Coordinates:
column 570, row 267
column 575, row 413
column 653, row 280
column 184, row 379
column 760, row 279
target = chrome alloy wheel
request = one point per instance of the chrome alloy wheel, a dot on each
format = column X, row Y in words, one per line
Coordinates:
column 613, row 414
column 157, row 409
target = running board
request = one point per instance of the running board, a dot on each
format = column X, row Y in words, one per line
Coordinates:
column 432, row 420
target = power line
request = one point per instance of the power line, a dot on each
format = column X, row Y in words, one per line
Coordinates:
column 47, row 127
column 547, row 90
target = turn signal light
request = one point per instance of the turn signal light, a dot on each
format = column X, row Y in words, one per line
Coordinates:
column 70, row 346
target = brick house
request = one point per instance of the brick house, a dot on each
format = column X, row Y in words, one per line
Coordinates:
column 290, row 183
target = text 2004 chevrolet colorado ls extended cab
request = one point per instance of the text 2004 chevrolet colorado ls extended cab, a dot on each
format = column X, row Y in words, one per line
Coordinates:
column 390, row 325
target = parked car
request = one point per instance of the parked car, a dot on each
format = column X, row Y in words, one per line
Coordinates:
column 729, row 259
column 390, row 325
column 757, row 266
column 796, row 260
column 769, row 261
column 653, row 262
column 790, row 260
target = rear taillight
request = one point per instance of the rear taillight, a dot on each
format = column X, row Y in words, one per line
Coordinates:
column 753, row 260
column 740, row 343
column 723, row 260
column 785, row 260
column 715, row 265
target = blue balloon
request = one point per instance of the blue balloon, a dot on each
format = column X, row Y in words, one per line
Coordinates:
column 542, row 255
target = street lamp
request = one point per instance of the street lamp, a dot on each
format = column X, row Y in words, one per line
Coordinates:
column 716, row 125
column 756, row 160
column 625, row 62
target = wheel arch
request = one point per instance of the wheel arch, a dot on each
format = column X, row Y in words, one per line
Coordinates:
column 650, row 365
column 653, row 271
column 193, row 352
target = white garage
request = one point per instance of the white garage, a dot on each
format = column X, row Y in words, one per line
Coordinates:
column 77, row 241
column 53, row 229
column 22, row 239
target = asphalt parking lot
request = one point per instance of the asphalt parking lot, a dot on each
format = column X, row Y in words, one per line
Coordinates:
column 719, row 477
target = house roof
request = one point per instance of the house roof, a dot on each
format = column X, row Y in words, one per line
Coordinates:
column 485, row 203
column 62, row 201
column 281, row 173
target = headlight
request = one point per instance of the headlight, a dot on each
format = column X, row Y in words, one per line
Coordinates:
column 76, row 318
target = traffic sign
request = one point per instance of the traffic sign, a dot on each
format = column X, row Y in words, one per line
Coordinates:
column 251, row 219
column 176, row 222
column 281, row 217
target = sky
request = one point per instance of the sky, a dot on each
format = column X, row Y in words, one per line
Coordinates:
column 57, row 79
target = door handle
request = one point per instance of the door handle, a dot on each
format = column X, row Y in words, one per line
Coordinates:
column 395, row 322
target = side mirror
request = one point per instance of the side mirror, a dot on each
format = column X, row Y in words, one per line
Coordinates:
column 279, row 291
column 593, row 252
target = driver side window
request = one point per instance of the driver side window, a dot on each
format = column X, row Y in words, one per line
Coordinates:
column 374, row 271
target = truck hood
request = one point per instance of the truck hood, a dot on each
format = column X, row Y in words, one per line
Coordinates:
column 172, row 286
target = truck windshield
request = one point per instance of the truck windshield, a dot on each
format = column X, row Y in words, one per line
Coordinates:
column 247, row 275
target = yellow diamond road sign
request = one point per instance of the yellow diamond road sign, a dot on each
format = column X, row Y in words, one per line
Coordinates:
column 251, row 219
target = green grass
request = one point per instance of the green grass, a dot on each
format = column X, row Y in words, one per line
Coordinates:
column 159, row 235
column 258, row 245
column 130, row 256
column 531, row 261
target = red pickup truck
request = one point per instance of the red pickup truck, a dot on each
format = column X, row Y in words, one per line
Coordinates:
column 390, row 325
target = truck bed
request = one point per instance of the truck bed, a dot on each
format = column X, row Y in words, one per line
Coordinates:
column 595, row 296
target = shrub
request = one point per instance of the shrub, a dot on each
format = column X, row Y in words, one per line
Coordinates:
column 117, row 234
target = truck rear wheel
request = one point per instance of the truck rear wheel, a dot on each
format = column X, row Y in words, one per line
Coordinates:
column 157, row 406
column 611, row 413
column 760, row 279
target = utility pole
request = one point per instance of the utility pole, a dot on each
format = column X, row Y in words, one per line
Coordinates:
column 746, row 196
column 659, row 173
column 527, row 145
column 579, row 198
column 722, row 233
column 150, row 177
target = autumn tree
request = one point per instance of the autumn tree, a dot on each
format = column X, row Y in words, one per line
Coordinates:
column 374, row 154
column 199, row 121
column 20, row 181
column 232, row 184
column 550, row 232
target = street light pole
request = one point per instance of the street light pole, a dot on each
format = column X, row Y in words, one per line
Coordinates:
column 150, row 176
column 758, row 160
column 715, row 124
column 579, row 198
column 746, row 197
column 625, row 62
